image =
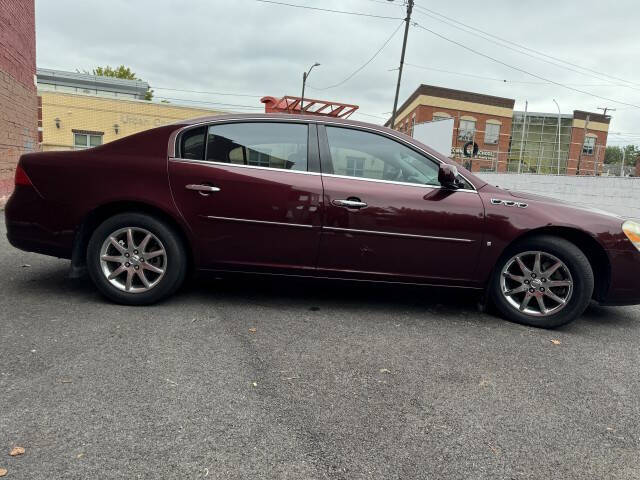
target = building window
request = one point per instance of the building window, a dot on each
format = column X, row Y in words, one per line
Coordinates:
column 440, row 117
column 491, row 133
column 467, row 129
column 86, row 140
column 589, row 145
column 355, row 166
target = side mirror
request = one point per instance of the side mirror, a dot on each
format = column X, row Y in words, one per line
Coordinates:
column 448, row 176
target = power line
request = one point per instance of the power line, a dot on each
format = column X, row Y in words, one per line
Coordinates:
column 358, row 70
column 210, row 103
column 502, row 80
column 457, row 23
column 386, row 2
column 209, row 93
column 522, row 70
column 329, row 10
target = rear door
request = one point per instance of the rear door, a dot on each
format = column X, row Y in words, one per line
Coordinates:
column 386, row 215
column 251, row 193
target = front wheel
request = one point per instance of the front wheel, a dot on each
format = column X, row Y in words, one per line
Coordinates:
column 542, row 281
column 136, row 259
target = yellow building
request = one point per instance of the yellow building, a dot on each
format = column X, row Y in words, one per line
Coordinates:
column 80, row 111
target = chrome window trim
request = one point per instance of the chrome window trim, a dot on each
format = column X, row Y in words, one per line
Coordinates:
column 317, row 121
column 393, row 182
column 402, row 235
column 260, row 222
column 208, row 163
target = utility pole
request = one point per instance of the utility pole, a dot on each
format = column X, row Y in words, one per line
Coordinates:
column 584, row 139
column 407, row 21
column 606, row 109
column 622, row 166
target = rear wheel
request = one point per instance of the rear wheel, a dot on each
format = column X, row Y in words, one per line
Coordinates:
column 136, row 259
column 542, row 281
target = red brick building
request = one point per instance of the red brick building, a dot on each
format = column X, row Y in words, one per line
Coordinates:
column 481, row 119
column 18, row 96
column 497, row 138
column 589, row 133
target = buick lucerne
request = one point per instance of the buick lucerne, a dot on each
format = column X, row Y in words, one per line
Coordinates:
column 317, row 197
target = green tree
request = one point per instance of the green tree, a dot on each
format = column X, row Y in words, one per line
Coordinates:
column 119, row 72
column 613, row 155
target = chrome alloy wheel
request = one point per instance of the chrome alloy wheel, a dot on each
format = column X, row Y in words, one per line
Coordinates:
column 536, row 283
column 133, row 260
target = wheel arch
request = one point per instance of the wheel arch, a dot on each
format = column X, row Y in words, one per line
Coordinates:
column 591, row 248
column 99, row 214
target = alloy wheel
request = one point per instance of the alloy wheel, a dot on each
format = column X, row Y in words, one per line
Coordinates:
column 133, row 260
column 536, row 283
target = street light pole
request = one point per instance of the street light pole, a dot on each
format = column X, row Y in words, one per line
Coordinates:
column 622, row 166
column 305, row 75
column 404, row 49
column 524, row 124
column 559, row 121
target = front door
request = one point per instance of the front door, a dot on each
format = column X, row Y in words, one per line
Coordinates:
column 386, row 216
column 248, row 192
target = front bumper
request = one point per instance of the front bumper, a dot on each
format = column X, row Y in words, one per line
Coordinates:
column 624, row 286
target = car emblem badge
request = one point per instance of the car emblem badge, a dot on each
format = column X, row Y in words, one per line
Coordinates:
column 508, row 203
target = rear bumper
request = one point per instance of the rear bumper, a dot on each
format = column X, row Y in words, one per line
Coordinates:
column 33, row 225
column 624, row 287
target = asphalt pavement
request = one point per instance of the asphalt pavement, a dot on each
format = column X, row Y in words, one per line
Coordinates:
column 290, row 379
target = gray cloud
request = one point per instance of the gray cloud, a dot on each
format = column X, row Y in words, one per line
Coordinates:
column 242, row 46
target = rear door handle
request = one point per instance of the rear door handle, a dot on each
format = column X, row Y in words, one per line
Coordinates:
column 349, row 203
column 202, row 189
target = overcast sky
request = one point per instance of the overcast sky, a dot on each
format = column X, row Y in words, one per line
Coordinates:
column 251, row 48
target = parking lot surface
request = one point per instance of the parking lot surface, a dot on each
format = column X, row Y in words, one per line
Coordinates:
column 275, row 378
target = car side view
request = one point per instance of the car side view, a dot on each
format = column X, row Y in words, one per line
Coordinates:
column 317, row 197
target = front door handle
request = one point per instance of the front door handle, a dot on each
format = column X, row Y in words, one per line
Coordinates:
column 202, row 189
column 350, row 202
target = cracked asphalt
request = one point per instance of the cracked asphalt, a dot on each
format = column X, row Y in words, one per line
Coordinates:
column 338, row 381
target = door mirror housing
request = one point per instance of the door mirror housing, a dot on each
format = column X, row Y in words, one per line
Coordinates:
column 448, row 176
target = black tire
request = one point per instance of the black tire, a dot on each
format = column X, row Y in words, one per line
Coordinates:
column 581, row 275
column 175, row 266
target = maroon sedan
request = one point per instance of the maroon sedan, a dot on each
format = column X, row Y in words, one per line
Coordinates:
column 316, row 197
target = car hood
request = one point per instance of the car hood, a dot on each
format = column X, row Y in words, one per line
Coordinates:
column 543, row 199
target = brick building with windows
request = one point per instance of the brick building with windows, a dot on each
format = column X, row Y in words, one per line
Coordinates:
column 78, row 110
column 18, row 98
column 499, row 139
column 478, row 119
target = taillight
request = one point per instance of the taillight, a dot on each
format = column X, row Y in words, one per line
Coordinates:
column 22, row 178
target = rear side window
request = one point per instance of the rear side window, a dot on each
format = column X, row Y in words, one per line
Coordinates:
column 261, row 144
column 192, row 144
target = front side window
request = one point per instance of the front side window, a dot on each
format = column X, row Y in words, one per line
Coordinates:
column 589, row 145
column 467, row 129
column 86, row 140
column 491, row 133
column 362, row 154
column 261, row 144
